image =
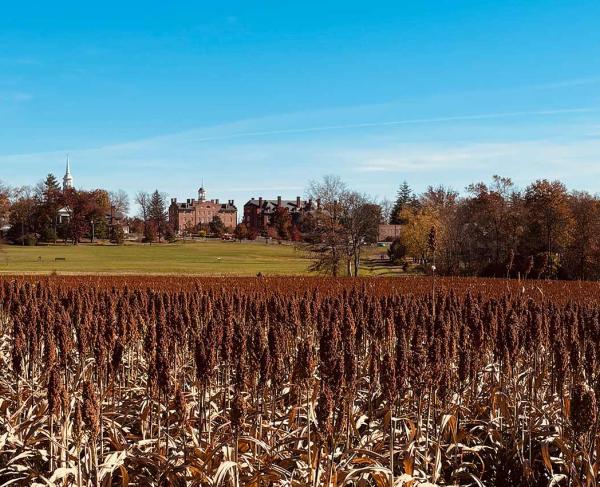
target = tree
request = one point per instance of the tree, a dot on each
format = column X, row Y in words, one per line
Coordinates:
column 415, row 233
column 489, row 212
column 170, row 235
column 397, row 251
column 583, row 252
column 404, row 197
column 281, row 222
column 101, row 229
column 150, row 233
column 442, row 204
column 4, row 203
column 189, row 228
column 342, row 225
column 118, row 235
column 217, row 227
column 21, row 214
column 136, row 225
column 119, row 201
column 360, row 219
column 325, row 234
column 142, row 199
column 98, row 208
column 548, row 216
column 252, row 233
column 86, row 208
column 387, row 210
column 50, row 200
column 157, row 213
column 241, row 232
column 296, row 234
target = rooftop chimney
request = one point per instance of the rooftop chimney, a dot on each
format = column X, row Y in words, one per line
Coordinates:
column 260, row 202
column 217, row 201
column 318, row 203
column 173, row 200
column 279, row 201
column 298, row 202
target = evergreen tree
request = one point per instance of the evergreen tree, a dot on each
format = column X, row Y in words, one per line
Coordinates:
column 117, row 235
column 50, row 204
column 51, row 187
column 157, row 213
column 217, row 227
column 404, row 198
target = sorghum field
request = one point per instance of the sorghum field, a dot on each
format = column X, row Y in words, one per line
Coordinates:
column 298, row 382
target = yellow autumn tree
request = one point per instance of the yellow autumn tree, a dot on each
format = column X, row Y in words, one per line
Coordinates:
column 415, row 232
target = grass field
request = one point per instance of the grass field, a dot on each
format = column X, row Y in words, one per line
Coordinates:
column 197, row 258
column 208, row 258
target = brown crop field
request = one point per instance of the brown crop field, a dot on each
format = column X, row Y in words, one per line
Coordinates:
column 298, row 382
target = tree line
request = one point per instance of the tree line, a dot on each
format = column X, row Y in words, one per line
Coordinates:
column 498, row 230
column 492, row 229
column 47, row 213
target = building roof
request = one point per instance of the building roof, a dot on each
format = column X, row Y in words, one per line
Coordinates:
column 191, row 204
column 271, row 205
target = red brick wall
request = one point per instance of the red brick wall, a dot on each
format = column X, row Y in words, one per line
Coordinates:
column 229, row 219
column 200, row 213
column 251, row 216
column 389, row 231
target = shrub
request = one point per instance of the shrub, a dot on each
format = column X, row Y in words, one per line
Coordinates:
column 29, row 240
column 170, row 235
column 150, row 233
column 117, row 235
column 397, row 252
column 48, row 235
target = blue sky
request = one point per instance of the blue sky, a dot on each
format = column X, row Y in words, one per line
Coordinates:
column 257, row 98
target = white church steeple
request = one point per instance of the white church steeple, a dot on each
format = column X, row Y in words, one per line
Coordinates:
column 68, row 179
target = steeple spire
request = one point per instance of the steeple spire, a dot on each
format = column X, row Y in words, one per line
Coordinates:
column 68, row 179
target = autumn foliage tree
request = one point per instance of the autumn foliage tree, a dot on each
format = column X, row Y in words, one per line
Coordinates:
column 495, row 229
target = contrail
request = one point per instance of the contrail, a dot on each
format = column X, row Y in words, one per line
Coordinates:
column 413, row 121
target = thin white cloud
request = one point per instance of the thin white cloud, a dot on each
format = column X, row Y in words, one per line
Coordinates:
column 530, row 159
column 197, row 134
column 234, row 159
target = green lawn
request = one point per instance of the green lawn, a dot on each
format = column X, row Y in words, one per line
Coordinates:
column 197, row 258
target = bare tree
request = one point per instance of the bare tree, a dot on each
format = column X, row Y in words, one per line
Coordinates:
column 342, row 225
column 327, row 237
column 142, row 199
column 360, row 220
column 22, row 209
column 119, row 201
column 387, row 207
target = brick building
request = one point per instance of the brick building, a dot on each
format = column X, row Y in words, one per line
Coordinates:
column 389, row 232
column 258, row 212
column 190, row 215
